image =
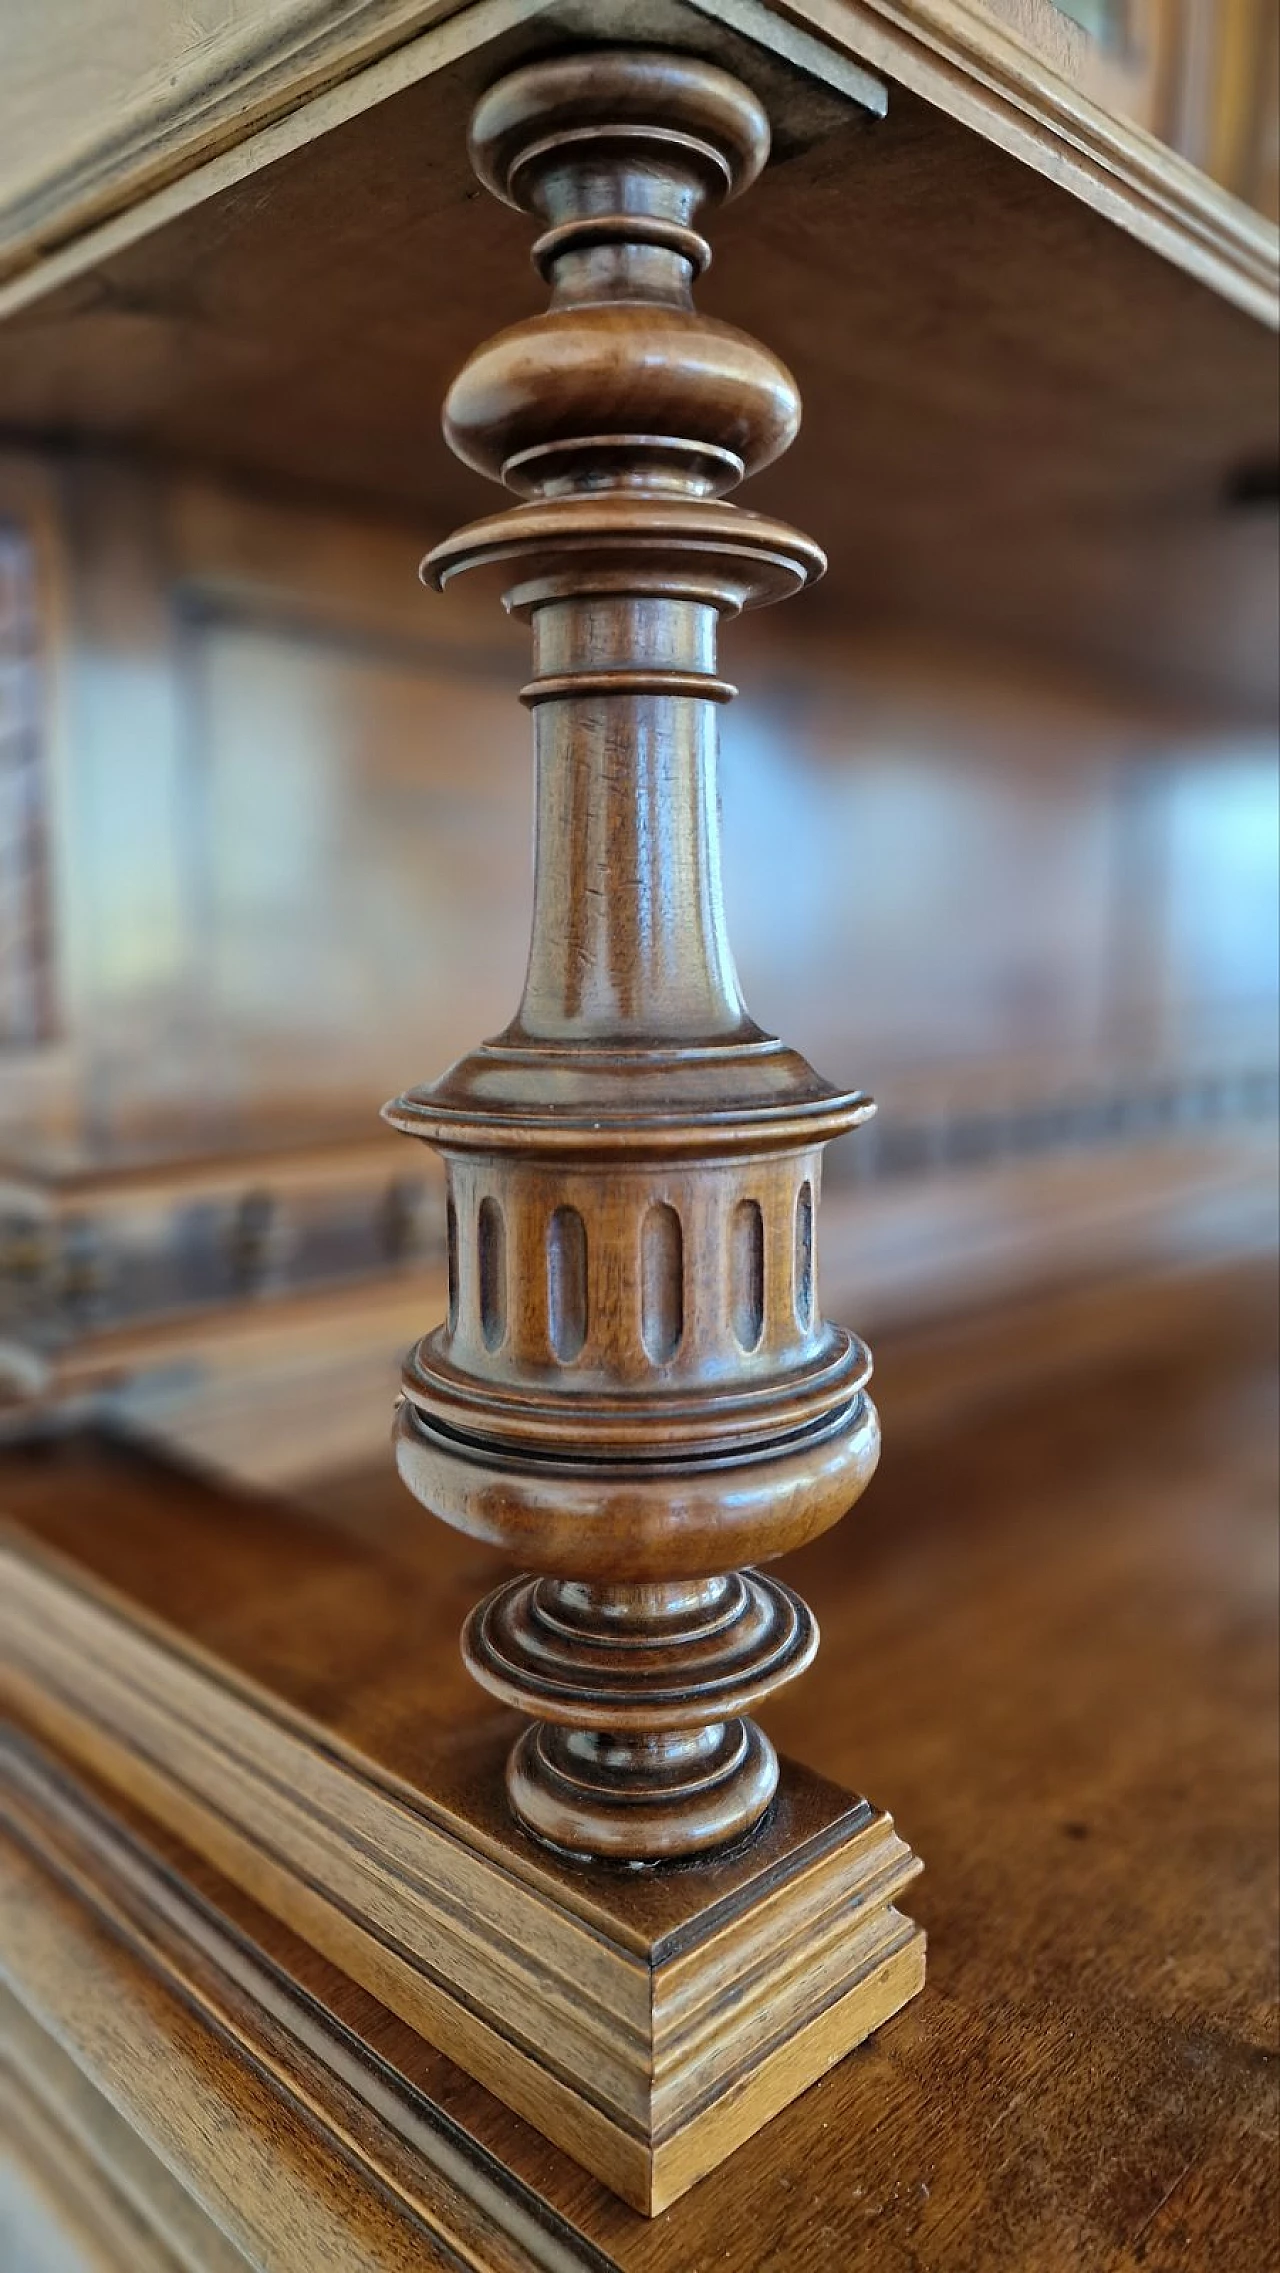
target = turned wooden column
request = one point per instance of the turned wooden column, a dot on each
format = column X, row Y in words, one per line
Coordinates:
column 635, row 1392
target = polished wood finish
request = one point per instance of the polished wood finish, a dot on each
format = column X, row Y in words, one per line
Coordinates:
column 1058, row 1641
column 288, row 1393
column 646, row 2022
column 295, row 2147
column 634, row 1391
column 188, row 1672
column 1200, row 79
column 105, row 1270
column 195, row 102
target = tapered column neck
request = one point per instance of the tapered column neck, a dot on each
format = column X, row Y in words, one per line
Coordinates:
column 629, row 943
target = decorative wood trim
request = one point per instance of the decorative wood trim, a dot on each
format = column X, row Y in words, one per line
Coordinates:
column 647, row 2025
column 957, row 58
column 194, row 2035
column 225, row 90
column 952, row 55
column 316, row 74
column 916, row 1245
column 992, row 1544
column 332, row 1164
column 383, row 1309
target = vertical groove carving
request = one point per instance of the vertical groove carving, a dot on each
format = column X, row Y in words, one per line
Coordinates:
column 662, row 1282
column 566, row 1284
column 804, row 1255
column 451, row 1261
column 746, row 1273
column 491, row 1250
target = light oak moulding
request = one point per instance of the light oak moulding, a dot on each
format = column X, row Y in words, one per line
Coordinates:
column 646, row 2022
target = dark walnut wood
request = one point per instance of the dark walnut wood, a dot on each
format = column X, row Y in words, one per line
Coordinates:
column 635, row 1391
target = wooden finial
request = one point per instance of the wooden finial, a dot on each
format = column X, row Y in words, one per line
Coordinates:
column 634, row 1393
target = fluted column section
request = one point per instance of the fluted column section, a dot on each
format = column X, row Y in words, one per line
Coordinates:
column 634, row 1392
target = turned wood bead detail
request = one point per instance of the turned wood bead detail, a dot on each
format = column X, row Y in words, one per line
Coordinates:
column 618, row 173
column 634, row 1391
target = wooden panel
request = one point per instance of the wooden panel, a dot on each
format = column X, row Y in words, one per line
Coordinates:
column 102, row 104
column 382, row 844
column 286, row 1391
column 1087, row 947
column 286, row 2177
column 648, row 2045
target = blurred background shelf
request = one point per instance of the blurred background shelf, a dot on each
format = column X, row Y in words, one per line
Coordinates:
column 284, row 1383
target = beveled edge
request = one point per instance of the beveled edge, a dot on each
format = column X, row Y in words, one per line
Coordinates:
column 67, row 1824
column 758, row 1128
column 740, row 558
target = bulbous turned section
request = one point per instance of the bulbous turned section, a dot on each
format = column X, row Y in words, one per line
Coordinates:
column 620, row 155
column 703, row 404
column 635, row 1518
column 635, row 1390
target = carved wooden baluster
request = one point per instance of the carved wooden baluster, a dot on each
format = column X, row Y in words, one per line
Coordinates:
column 635, row 1392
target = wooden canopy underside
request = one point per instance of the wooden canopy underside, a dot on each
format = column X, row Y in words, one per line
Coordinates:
column 1024, row 429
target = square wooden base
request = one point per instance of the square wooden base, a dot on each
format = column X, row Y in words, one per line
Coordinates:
column 647, row 2022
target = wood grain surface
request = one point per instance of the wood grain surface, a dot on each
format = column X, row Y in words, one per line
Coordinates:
column 1051, row 1632
column 104, row 2193
column 647, row 2055
column 647, row 2023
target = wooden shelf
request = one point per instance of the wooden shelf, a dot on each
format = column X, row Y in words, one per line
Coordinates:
column 1039, row 376
column 1055, row 1640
